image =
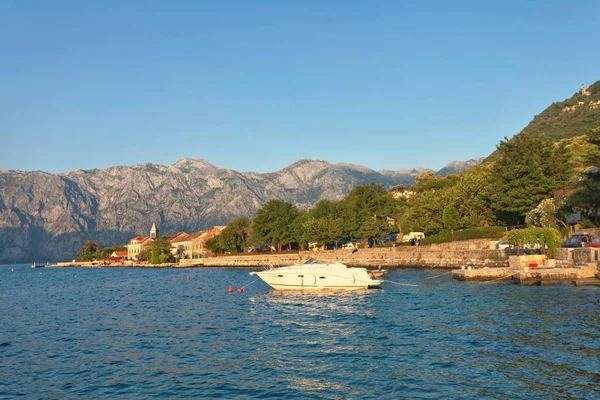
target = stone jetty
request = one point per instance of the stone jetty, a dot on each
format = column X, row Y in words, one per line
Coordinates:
column 482, row 275
column 575, row 266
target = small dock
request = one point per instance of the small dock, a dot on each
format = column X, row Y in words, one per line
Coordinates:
column 529, row 276
column 482, row 274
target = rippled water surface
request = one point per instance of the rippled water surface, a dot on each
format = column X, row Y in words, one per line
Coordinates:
column 141, row 333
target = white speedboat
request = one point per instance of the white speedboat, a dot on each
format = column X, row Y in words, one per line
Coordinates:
column 317, row 274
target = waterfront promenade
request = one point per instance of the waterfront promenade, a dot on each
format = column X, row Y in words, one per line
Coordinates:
column 474, row 253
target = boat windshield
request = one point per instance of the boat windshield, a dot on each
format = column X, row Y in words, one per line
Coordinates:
column 315, row 261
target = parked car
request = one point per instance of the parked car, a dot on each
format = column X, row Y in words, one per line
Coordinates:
column 503, row 244
column 576, row 241
column 392, row 237
column 594, row 243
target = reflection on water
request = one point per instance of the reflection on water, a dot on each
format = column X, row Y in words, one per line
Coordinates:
column 105, row 333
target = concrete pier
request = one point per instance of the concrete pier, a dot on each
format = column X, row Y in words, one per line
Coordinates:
column 530, row 273
column 548, row 276
column 482, row 275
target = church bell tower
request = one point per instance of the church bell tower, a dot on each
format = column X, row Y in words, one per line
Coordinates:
column 153, row 232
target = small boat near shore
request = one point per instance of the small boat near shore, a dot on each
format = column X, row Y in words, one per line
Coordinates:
column 377, row 273
column 38, row 265
column 318, row 274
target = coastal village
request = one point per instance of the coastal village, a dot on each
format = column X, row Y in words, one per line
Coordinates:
column 183, row 245
column 476, row 260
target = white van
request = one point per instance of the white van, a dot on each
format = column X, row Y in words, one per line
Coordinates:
column 413, row 235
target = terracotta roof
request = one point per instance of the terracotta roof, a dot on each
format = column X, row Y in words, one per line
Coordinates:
column 195, row 235
column 121, row 253
column 140, row 239
column 180, row 238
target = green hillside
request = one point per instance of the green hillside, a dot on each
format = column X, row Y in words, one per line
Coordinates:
column 568, row 118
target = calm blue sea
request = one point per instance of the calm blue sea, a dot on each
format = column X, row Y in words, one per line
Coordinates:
column 143, row 333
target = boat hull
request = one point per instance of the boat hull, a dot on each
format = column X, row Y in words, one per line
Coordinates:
column 320, row 276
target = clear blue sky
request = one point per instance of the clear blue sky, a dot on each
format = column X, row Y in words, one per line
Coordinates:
column 256, row 85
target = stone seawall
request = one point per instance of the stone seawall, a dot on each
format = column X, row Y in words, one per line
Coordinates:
column 420, row 257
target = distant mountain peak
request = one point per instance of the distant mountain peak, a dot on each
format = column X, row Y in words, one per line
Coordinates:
column 356, row 167
column 188, row 163
column 457, row 166
column 307, row 161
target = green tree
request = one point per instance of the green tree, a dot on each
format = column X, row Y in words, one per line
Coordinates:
column 367, row 205
column 451, row 217
column 375, row 227
column 425, row 212
column 228, row 240
column 273, row 224
column 144, row 255
column 240, row 228
column 162, row 244
column 314, row 231
column 527, row 169
column 107, row 251
column 472, row 196
column 155, row 257
column 214, row 244
column 547, row 238
column 166, row 258
column 586, row 199
column 88, row 251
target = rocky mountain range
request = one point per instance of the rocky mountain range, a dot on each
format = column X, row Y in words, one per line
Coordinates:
column 48, row 216
column 457, row 166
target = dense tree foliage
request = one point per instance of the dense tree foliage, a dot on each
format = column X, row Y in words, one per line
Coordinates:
column 158, row 252
column 586, row 199
column 155, row 257
column 144, row 255
column 547, row 238
column 215, row 245
column 457, row 201
column 88, row 251
column 365, row 213
column 526, row 171
column 273, row 224
column 107, row 251
column 91, row 251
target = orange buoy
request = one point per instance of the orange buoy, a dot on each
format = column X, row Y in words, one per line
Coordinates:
column 230, row 290
column 187, row 278
column 12, row 270
column 240, row 290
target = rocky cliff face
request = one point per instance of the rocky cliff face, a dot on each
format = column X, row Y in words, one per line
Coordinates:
column 48, row 217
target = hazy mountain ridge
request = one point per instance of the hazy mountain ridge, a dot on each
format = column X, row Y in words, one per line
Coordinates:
column 457, row 166
column 48, row 216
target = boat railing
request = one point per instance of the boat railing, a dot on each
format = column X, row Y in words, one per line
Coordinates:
column 265, row 267
column 347, row 254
